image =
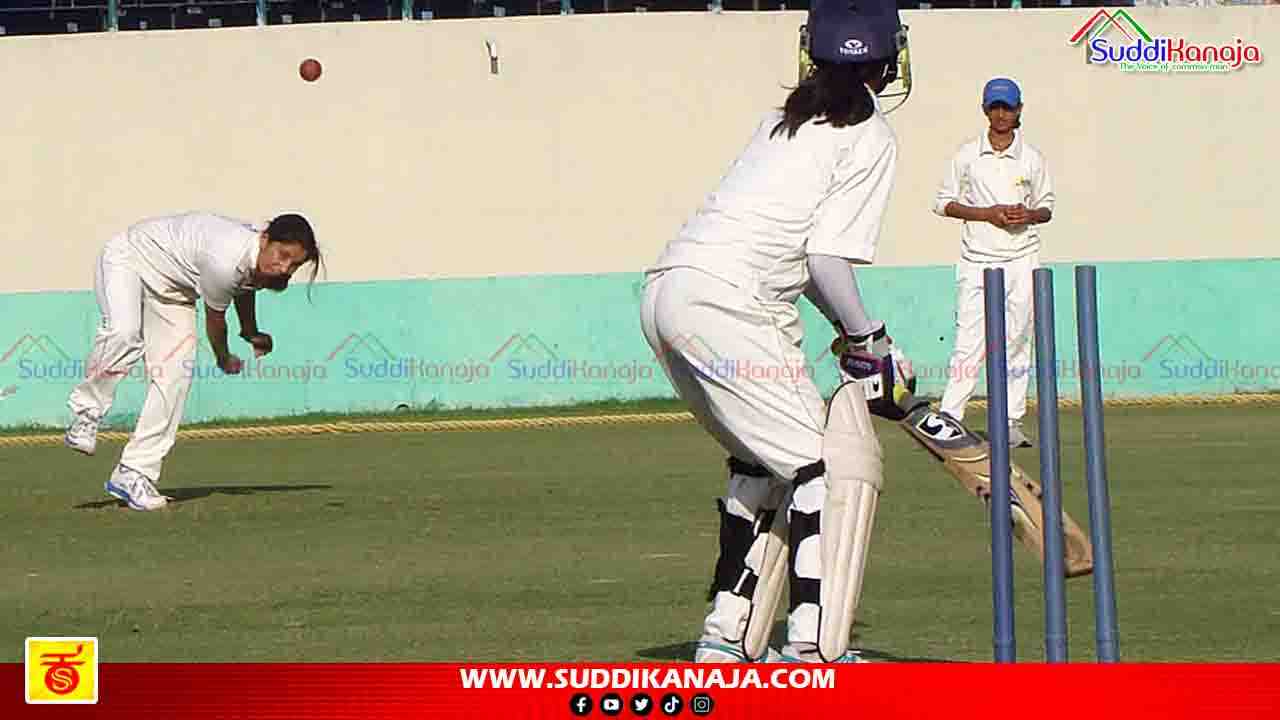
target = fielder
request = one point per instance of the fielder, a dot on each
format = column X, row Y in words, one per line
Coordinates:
column 147, row 281
column 800, row 206
column 999, row 185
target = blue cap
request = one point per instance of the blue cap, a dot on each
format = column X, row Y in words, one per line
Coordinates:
column 853, row 31
column 1001, row 90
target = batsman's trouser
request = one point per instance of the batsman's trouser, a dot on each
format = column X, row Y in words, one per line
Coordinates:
column 736, row 361
column 137, row 324
column 969, row 354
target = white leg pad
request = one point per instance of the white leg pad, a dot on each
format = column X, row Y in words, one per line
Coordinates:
column 751, row 571
column 771, row 580
column 833, row 550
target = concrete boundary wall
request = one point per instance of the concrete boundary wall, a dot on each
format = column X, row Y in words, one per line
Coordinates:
column 596, row 138
column 1167, row 328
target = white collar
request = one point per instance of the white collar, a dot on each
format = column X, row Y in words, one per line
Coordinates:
column 1014, row 150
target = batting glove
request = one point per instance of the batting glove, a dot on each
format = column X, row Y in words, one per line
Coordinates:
column 885, row 373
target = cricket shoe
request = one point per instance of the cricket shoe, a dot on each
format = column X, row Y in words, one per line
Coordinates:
column 135, row 489
column 1017, row 438
column 712, row 651
column 807, row 653
column 82, row 434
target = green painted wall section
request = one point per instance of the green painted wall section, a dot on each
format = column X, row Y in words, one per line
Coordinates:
column 1177, row 327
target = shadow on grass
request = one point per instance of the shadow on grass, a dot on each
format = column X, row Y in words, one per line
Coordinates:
column 179, row 495
column 683, row 652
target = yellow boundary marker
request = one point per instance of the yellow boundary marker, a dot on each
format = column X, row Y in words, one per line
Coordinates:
column 415, row 426
column 372, row 426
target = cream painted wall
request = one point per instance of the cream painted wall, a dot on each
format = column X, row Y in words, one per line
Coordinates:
column 596, row 139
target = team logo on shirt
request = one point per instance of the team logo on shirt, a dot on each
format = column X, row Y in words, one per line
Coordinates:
column 1118, row 39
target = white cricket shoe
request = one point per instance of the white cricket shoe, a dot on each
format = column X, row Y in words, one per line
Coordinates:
column 807, row 653
column 1017, row 438
column 82, row 434
column 713, row 651
column 135, row 489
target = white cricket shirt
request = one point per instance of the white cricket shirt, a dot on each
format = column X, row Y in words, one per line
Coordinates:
column 196, row 254
column 822, row 192
column 979, row 176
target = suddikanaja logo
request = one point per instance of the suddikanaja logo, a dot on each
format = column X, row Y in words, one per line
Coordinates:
column 39, row 357
column 1117, row 39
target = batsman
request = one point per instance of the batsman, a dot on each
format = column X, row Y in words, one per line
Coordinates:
column 795, row 213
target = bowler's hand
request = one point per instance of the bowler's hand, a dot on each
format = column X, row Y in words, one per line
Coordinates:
column 230, row 364
column 261, row 342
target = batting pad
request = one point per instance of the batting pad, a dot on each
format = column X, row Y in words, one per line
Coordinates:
column 854, row 462
column 769, row 553
column 752, row 569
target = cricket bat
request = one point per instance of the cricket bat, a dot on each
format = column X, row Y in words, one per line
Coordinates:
column 968, row 458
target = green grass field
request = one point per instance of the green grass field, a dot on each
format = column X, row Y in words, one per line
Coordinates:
column 596, row 543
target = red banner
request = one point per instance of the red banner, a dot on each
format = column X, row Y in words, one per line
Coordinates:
column 768, row 692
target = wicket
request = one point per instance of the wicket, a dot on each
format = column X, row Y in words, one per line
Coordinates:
column 1050, row 455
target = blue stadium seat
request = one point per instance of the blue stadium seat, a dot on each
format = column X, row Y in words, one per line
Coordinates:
column 237, row 15
column 373, row 10
column 81, row 20
column 146, row 18
column 26, row 5
column 30, row 22
column 444, row 9
column 53, row 21
column 677, row 5
column 215, row 15
column 190, row 16
column 337, row 10
column 293, row 13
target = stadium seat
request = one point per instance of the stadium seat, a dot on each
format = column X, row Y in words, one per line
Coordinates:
column 373, row 10
column 337, row 10
column 190, row 16
column 447, row 9
column 30, row 22
column 580, row 7
column 146, row 18
column 293, row 13
column 81, row 19
column 677, row 5
column 240, row 14
column 216, row 15
column 760, row 5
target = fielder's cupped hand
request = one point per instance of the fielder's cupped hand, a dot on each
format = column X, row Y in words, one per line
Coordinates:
column 1017, row 215
column 261, row 342
column 999, row 215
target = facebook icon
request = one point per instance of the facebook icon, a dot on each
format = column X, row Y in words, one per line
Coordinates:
column 580, row 704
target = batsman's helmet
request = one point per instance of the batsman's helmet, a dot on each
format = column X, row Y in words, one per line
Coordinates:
column 858, row 31
column 854, row 31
